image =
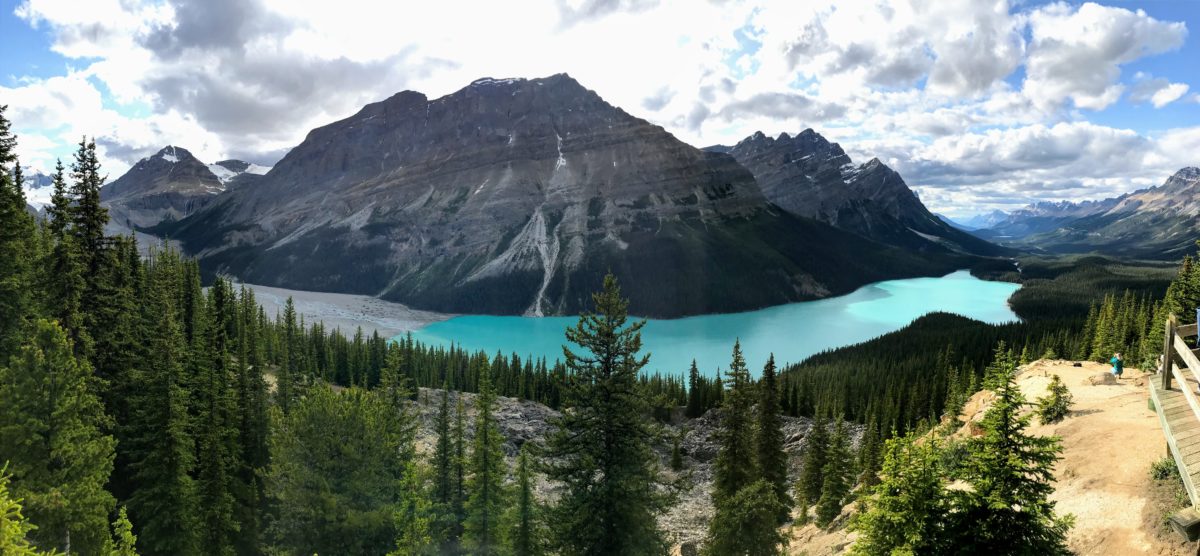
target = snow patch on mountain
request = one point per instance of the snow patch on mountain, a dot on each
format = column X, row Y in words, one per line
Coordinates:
column 223, row 174
column 38, row 188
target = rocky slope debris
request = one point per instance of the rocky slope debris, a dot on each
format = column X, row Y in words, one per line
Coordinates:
column 522, row 421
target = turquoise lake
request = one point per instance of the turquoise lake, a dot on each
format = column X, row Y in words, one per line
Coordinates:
column 792, row 332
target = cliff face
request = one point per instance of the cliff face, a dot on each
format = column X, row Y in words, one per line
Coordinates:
column 809, row 176
column 517, row 196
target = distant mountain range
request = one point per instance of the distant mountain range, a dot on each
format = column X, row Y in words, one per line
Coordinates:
column 515, row 196
column 1155, row 223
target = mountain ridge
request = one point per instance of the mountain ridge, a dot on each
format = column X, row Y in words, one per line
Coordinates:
column 813, row 177
column 516, row 196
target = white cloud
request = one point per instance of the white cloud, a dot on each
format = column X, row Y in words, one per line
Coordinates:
column 1079, row 160
column 1156, row 91
column 923, row 85
column 1078, row 53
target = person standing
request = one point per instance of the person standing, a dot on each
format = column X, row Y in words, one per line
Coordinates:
column 1118, row 366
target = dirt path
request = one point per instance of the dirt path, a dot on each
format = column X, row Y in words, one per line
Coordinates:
column 1110, row 439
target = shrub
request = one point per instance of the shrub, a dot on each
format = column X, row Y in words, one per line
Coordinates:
column 1056, row 404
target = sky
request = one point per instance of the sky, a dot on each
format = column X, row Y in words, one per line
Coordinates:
column 979, row 104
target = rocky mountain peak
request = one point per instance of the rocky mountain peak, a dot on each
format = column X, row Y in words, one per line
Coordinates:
column 1185, row 178
column 808, row 175
column 166, row 185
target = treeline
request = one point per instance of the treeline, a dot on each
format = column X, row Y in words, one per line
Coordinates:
column 914, row 376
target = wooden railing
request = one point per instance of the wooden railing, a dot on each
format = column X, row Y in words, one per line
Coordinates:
column 1174, row 347
column 1179, row 363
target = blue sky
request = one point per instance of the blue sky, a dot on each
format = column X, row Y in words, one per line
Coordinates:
column 979, row 105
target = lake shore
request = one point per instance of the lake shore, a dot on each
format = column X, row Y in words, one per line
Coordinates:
column 347, row 311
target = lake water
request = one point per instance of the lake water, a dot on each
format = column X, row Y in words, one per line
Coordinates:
column 792, row 332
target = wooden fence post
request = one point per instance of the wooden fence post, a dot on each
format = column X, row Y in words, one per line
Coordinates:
column 1168, row 346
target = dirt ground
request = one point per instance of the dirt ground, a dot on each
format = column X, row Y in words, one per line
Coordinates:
column 1109, row 440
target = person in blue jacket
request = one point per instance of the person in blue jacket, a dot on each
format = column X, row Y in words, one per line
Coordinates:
column 1117, row 364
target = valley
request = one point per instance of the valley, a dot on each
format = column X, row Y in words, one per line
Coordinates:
column 592, row 278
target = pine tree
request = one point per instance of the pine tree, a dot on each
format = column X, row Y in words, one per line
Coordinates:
column 676, row 454
column 734, row 468
column 869, row 456
column 252, row 421
column 16, row 237
column 486, row 496
column 816, row 446
column 217, row 443
column 836, row 474
column 525, row 536
column 905, row 513
column 413, row 517
column 63, row 278
column 1056, row 404
column 392, row 381
column 443, row 475
column 163, row 502
column 695, row 400
column 770, row 458
column 88, row 219
column 124, row 542
column 1007, row 509
column 51, row 434
column 458, row 500
column 285, row 388
column 601, row 450
column 745, row 524
column 1087, row 335
column 15, row 529
column 359, row 473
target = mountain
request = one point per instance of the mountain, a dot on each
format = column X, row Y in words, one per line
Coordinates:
column 1155, row 223
column 233, row 173
column 516, row 196
column 954, row 223
column 986, row 220
column 809, row 176
column 38, row 188
column 1040, row 217
column 171, row 185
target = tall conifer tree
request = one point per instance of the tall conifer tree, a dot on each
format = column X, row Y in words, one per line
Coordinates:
column 601, row 450
column 486, row 496
column 735, row 465
column 16, row 243
column 51, row 435
column 769, row 455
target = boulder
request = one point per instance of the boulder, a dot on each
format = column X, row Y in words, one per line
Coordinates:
column 1098, row 379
